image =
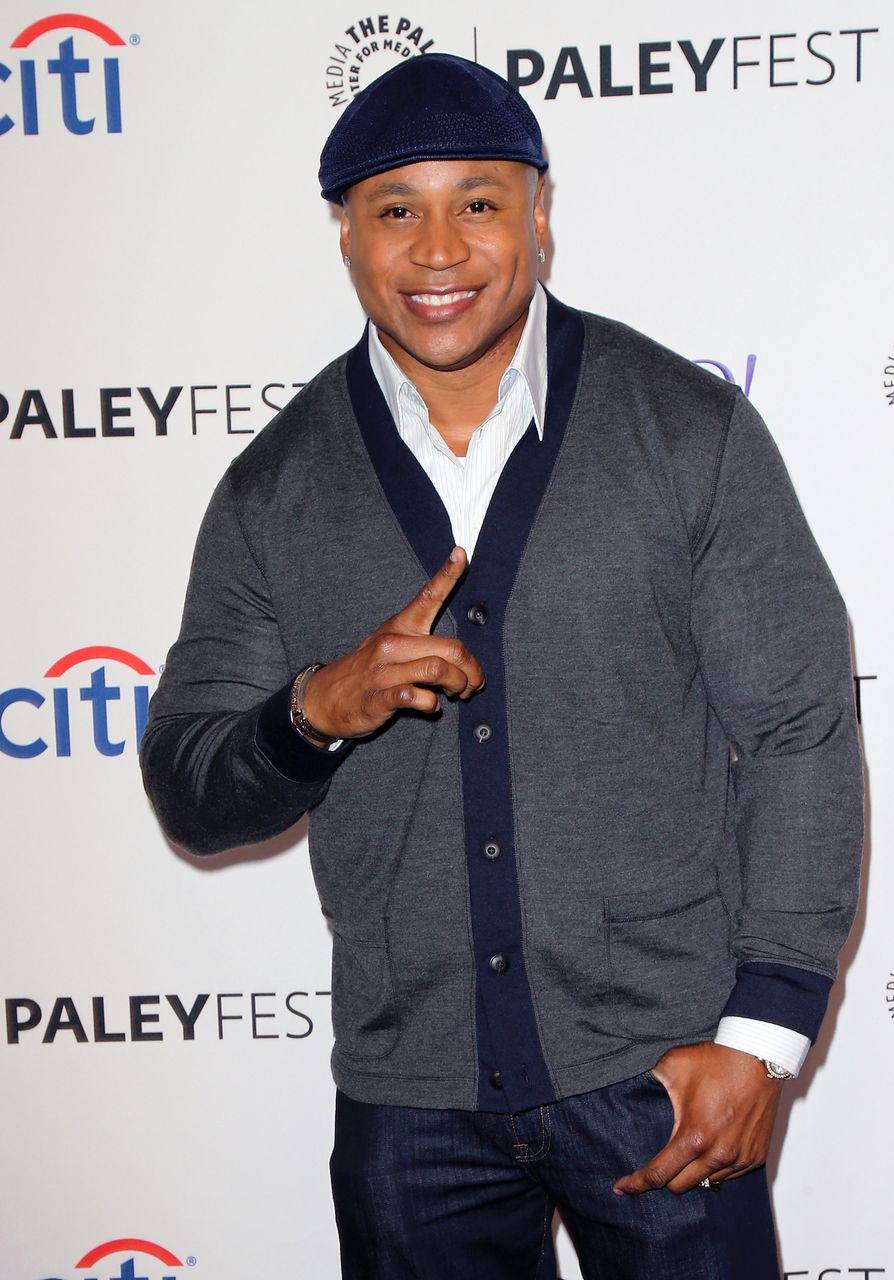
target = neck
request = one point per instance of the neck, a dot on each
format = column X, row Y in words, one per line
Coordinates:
column 458, row 400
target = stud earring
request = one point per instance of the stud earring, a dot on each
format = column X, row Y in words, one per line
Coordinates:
column 347, row 261
column 541, row 255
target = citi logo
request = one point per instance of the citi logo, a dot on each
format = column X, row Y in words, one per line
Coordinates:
column 25, row 718
column 159, row 1266
column 73, row 73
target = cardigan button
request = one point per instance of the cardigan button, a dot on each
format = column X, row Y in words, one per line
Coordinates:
column 499, row 963
column 477, row 614
column 496, row 1080
column 491, row 849
column 483, row 732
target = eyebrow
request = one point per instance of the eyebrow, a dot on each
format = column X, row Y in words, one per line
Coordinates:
column 479, row 180
column 407, row 189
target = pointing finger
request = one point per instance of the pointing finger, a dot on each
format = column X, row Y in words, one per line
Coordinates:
column 418, row 617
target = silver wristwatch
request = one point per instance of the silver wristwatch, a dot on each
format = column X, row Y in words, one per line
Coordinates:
column 300, row 721
column 775, row 1072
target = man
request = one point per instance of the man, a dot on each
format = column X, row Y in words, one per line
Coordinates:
column 585, row 804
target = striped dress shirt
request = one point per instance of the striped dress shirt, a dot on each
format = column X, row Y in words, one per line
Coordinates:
column 466, row 485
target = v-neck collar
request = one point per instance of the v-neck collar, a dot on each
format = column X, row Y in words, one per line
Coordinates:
column 521, row 486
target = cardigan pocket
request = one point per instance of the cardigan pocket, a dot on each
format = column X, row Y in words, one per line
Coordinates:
column 364, row 1017
column 670, row 960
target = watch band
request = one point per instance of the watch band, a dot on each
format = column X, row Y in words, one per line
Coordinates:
column 300, row 721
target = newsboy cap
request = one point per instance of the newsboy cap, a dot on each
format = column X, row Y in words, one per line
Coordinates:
column 434, row 106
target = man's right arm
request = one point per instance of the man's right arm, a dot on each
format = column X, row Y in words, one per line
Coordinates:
column 215, row 778
column 222, row 762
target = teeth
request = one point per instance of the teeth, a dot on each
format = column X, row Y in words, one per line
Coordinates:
column 442, row 299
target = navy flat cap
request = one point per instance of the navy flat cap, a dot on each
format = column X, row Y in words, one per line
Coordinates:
column 434, row 106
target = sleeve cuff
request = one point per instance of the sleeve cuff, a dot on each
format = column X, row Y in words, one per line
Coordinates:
column 283, row 746
column 764, row 1040
column 780, row 994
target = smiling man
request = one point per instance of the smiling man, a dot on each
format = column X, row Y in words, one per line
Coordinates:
column 444, row 259
column 522, row 607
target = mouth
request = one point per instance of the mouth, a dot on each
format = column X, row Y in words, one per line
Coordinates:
column 442, row 304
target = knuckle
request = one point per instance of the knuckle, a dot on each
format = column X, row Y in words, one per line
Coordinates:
column 696, row 1141
column 405, row 695
column 723, row 1155
column 654, row 1177
column 435, row 669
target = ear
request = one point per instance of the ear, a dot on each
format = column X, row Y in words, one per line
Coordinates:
column 345, row 233
column 541, row 221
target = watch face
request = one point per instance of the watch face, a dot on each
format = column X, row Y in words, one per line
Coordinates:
column 777, row 1072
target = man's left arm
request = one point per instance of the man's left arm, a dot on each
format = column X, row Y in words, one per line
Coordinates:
column 771, row 633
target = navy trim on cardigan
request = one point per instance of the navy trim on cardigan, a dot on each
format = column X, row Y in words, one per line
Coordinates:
column 780, row 993
column 411, row 495
column 282, row 744
column 513, row 1074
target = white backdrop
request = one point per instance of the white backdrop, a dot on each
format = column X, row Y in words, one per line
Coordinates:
column 180, row 242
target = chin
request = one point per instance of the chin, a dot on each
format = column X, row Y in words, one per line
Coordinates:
column 447, row 353
column 446, row 360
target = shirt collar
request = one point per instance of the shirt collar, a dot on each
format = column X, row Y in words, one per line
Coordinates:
column 528, row 362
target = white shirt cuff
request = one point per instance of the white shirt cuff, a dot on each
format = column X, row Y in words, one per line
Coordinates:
column 768, row 1040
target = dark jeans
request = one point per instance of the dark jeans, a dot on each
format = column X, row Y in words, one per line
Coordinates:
column 460, row 1195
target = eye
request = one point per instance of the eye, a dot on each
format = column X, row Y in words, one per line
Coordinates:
column 397, row 211
column 479, row 206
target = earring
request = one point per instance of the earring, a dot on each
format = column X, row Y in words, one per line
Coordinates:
column 347, row 261
column 541, row 255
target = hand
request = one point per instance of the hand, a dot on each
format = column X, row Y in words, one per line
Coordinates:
column 399, row 667
column 724, row 1109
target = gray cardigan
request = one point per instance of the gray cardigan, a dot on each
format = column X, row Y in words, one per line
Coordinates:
column 684, row 776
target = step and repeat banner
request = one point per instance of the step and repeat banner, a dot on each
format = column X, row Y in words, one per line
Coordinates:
column 721, row 179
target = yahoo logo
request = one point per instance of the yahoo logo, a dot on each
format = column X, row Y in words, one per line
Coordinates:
column 726, row 372
column 15, row 722
column 67, row 67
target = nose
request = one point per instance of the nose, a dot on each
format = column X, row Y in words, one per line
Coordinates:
column 439, row 243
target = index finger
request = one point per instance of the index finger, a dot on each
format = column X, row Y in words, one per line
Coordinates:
column 418, row 617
